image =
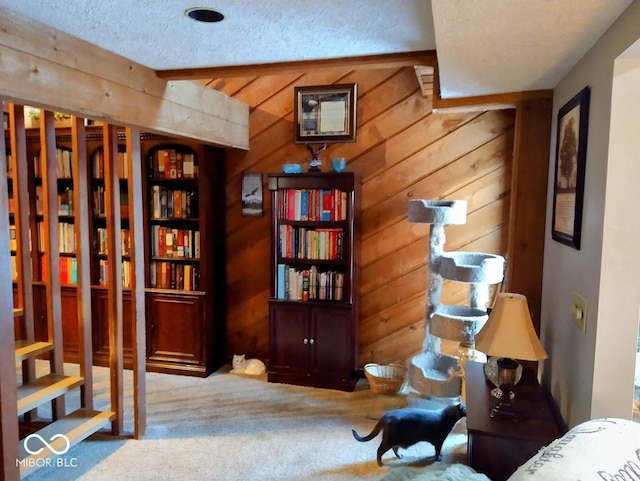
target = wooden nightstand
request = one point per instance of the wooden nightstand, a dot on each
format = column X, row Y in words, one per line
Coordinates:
column 496, row 447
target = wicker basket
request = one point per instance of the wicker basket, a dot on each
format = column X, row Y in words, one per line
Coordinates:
column 385, row 378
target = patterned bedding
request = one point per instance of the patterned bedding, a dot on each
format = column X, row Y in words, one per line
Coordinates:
column 600, row 449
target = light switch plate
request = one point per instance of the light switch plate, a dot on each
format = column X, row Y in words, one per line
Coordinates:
column 579, row 312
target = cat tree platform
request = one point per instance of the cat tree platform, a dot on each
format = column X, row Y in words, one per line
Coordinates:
column 457, row 323
column 433, row 375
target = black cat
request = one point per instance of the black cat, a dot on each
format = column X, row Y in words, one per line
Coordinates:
column 407, row 426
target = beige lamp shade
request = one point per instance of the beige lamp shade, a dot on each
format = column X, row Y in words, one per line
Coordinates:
column 509, row 331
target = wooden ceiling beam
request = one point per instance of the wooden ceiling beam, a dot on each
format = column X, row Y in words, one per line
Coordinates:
column 47, row 68
column 396, row 60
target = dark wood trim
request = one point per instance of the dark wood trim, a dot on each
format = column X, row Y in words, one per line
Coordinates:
column 527, row 214
column 396, row 60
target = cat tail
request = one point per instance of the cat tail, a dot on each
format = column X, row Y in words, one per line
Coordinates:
column 369, row 436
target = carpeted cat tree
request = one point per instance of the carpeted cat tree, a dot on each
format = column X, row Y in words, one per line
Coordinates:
column 434, row 377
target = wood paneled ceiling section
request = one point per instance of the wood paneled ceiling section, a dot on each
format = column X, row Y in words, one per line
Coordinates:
column 402, row 152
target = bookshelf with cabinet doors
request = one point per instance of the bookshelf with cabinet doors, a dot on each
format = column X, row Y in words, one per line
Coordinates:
column 185, row 323
column 313, row 307
column 185, row 271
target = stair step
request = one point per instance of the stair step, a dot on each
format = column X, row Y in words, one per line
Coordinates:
column 26, row 350
column 44, row 389
column 76, row 426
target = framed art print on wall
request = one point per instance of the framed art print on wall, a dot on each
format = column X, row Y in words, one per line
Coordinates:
column 325, row 113
column 571, row 156
column 252, row 194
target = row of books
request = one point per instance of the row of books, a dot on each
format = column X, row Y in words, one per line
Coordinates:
column 99, row 202
column 97, row 165
column 170, row 242
column 301, row 284
column 68, row 270
column 172, row 275
column 103, row 273
column 303, row 243
column 173, row 204
column 14, row 269
column 65, row 202
column 313, row 204
column 64, row 164
column 172, row 164
column 101, row 241
column 66, row 237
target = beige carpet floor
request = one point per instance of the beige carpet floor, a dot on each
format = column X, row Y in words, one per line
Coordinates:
column 234, row 428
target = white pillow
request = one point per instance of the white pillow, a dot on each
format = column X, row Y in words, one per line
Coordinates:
column 600, row 449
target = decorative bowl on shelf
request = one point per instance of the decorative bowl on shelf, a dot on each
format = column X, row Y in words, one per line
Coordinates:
column 338, row 163
column 291, row 168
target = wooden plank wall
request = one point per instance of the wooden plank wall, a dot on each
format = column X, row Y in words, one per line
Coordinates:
column 402, row 152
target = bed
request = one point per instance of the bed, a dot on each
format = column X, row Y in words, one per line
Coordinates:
column 600, row 449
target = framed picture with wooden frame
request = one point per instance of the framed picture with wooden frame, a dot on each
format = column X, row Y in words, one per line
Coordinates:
column 571, row 156
column 325, row 113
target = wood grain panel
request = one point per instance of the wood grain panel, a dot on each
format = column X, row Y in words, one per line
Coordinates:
column 402, row 151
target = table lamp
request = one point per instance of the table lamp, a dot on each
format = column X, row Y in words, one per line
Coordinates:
column 507, row 335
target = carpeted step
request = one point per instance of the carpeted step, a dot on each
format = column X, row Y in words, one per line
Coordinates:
column 44, row 389
column 56, row 438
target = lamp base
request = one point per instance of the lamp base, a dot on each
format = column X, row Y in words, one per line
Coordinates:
column 508, row 374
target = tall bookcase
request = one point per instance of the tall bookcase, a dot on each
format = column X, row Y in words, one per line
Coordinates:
column 185, row 273
column 185, row 323
column 313, row 309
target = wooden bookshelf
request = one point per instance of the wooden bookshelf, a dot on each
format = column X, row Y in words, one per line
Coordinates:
column 185, row 321
column 185, row 282
column 313, row 310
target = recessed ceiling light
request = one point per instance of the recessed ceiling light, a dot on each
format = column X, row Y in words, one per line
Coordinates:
column 202, row 14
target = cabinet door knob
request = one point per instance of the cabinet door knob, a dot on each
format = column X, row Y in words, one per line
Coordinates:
column 312, row 340
column 306, row 340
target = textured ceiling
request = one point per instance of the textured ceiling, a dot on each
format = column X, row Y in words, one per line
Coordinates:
column 158, row 34
column 492, row 46
column 483, row 46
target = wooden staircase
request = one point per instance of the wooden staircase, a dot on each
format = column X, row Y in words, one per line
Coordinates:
column 61, row 433
column 26, row 440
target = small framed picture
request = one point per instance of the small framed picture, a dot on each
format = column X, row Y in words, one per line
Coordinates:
column 571, row 156
column 252, row 194
column 325, row 113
